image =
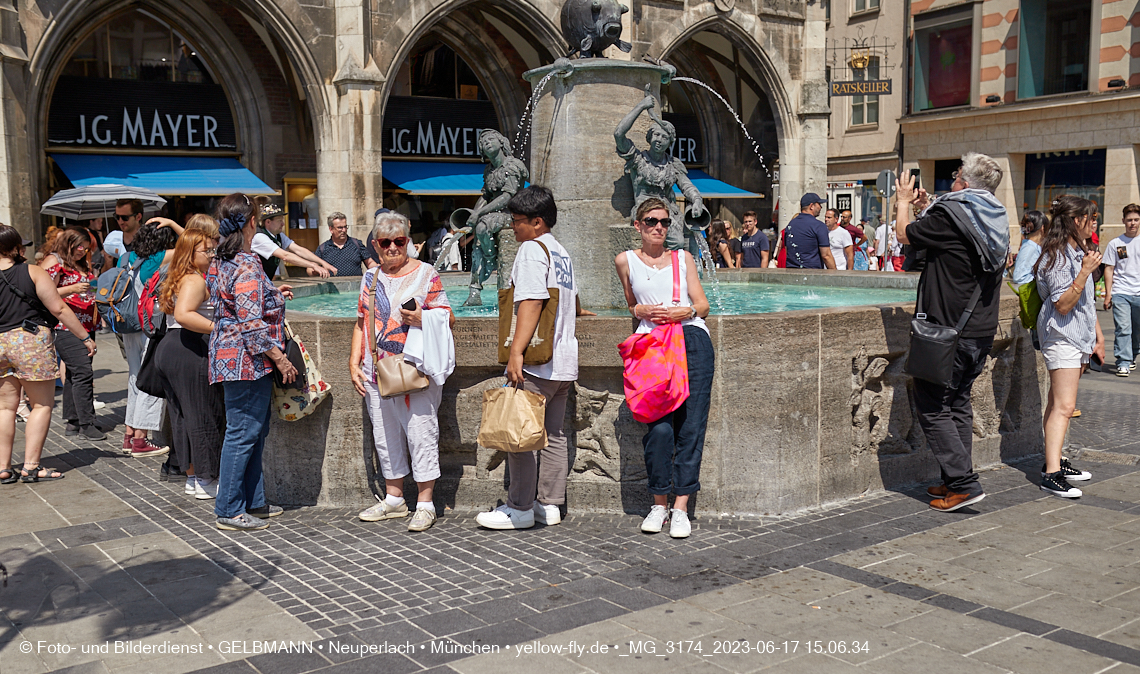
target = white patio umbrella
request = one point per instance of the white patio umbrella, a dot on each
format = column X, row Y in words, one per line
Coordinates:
column 97, row 201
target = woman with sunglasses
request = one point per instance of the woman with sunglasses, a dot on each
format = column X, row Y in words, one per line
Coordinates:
column 67, row 266
column 197, row 410
column 405, row 428
column 675, row 442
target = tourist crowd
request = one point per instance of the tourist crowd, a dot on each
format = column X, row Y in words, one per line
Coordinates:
column 224, row 346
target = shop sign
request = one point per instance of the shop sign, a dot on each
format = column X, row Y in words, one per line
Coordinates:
column 689, row 146
column 99, row 112
column 842, row 202
column 861, row 88
column 436, row 127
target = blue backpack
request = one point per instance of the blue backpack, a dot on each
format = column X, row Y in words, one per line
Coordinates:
column 117, row 300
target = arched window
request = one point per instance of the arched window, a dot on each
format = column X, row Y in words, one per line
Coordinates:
column 138, row 46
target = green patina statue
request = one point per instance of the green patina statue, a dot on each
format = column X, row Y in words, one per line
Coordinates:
column 655, row 171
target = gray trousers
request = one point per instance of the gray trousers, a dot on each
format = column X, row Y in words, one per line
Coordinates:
column 542, row 473
column 143, row 411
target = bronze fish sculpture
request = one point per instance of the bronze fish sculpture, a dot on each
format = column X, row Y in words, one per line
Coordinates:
column 593, row 25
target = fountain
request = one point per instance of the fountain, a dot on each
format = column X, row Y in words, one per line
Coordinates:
column 809, row 406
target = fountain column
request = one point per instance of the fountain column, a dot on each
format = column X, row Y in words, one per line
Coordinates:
column 573, row 153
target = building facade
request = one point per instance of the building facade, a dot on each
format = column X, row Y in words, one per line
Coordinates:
column 1044, row 86
column 865, row 45
column 332, row 103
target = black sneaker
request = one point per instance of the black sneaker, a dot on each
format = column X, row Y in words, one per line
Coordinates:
column 1057, row 485
column 70, row 429
column 167, row 472
column 1069, row 472
column 92, row 432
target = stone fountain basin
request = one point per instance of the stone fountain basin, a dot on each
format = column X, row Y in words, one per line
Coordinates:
column 808, row 407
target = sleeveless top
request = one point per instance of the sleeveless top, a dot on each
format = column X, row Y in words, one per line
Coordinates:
column 655, row 287
column 270, row 265
column 13, row 310
column 205, row 310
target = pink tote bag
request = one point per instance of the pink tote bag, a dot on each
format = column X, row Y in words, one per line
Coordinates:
column 656, row 369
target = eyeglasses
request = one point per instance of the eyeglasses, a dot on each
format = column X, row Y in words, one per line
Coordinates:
column 515, row 221
column 400, row 242
column 124, row 218
column 209, row 252
column 650, row 223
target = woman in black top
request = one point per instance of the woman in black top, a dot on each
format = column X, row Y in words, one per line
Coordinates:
column 28, row 296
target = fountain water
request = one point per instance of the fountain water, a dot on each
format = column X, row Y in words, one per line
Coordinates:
column 755, row 145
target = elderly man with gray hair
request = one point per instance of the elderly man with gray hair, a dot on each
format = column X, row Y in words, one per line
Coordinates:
column 343, row 251
column 965, row 234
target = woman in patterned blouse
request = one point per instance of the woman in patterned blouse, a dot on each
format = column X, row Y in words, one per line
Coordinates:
column 67, row 266
column 246, row 345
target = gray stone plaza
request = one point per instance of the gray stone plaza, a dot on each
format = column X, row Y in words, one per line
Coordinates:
column 877, row 583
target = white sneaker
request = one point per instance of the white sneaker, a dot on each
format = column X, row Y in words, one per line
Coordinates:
column 657, row 517
column 383, row 511
column 205, row 490
column 191, row 483
column 679, row 526
column 547, row 514
column 506, row 517
column 1123, row 370
column 99, row 405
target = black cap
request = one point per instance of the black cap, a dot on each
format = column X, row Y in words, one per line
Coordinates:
column 811, row 198
column 381, row 210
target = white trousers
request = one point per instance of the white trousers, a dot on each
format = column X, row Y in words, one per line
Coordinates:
column 406, row 432
column 143, row 411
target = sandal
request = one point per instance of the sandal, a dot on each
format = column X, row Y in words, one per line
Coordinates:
column 12, row 476
column 35, row 476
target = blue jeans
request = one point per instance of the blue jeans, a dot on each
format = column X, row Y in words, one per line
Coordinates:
column 240, row 483
column 1126, row 318
column 675, row 442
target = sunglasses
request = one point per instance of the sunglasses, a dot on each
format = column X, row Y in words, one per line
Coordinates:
column 400, row 242
column 650, row 223
column 123, row 218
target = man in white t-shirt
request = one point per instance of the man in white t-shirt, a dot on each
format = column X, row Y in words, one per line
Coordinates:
column 538, row 479
column 839, row 240
column 274, row 247
column 1122, row 290
column 887, row 248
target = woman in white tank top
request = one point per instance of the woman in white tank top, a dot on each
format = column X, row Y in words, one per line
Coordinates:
column 674, row 443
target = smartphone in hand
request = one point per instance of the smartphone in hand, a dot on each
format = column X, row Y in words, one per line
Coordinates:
column 410, row 305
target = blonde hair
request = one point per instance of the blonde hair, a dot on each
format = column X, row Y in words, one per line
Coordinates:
column 204, row 223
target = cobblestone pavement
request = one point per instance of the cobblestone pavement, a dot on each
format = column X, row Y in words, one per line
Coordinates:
column 1024, row 583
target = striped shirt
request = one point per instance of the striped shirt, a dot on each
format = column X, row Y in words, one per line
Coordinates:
column 1078, row 327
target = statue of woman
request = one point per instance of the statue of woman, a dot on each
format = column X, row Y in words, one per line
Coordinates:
column 653, row 172
column 503, row 176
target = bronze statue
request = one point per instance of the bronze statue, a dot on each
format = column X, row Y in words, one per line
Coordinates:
column 653, row 173
column 503, row 176
column 591, row 26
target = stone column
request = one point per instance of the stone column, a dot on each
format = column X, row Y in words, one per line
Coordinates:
column 574, row 154
column 348, row 163
column 805, row 167
column 15, row 174
column 1011, row 190
column 1120, row 188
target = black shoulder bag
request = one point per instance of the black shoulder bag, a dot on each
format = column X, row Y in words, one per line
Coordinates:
column 46, row 316
column 932, row 347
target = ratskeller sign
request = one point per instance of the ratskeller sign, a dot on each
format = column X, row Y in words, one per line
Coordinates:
column 861, row 88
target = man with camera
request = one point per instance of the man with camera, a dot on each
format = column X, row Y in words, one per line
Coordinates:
column 965, row 234
column 1122, row 290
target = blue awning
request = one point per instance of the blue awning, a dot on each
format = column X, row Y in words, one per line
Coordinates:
column 168, row 175
column 435, row 178
column 711, row 188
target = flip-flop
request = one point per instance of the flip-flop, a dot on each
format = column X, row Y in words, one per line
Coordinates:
column 13, row 476
column 36, row 477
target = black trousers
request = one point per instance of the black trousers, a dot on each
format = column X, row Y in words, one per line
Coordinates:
column 947, row 417
column 196, row 409
column 79, row 383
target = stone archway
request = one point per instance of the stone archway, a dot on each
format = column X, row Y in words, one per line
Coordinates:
column 195, row 19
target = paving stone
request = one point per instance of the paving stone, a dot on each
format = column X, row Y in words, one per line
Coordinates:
column 920, row 657
column 805, row 585
column 1027, row 653
column 953, row 631
column 1093, row 560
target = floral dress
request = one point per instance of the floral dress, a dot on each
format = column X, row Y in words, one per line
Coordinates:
column 83, row 304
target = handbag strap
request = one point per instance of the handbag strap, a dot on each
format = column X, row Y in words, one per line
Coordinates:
column 969, row 307
column 372, row 320
column 549, row 261
column 676, row 280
